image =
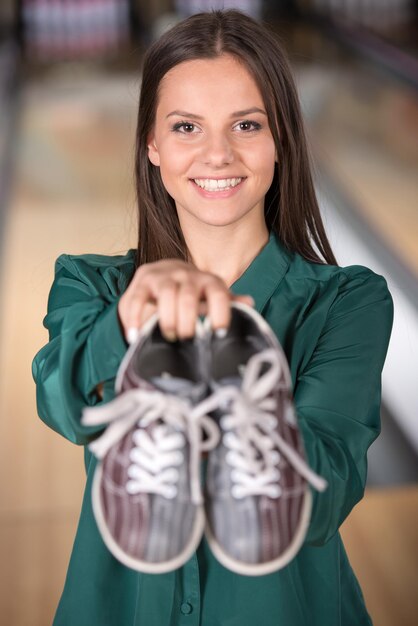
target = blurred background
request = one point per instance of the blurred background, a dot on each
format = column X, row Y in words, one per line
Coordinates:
column 69, row 85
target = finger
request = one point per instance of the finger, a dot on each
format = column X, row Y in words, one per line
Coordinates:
column 132, row 332
column 187, row 310
column 167, row 309
column 244, row 299
column 130, row 311
column 148, row 311
column 218, row 300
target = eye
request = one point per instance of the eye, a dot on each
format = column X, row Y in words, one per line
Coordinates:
column 248, row 126
column 186, row 128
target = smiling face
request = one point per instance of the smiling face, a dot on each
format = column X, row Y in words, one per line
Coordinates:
column 212, row 142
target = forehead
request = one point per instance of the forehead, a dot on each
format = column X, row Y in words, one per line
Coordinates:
column 223, row 81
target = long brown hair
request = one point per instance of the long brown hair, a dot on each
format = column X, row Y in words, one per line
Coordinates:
column 291, row 208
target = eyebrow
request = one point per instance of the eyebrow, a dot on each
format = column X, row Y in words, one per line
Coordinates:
column 235, row 114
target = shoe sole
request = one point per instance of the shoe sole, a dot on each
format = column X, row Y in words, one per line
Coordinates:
column 247, row 569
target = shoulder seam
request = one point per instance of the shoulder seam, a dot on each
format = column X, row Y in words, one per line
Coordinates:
column 344, row 271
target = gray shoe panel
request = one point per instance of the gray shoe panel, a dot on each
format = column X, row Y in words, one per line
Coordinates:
column 235, row 523
column 172, row 520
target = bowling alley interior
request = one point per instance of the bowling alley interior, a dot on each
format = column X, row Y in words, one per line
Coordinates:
column 70, row 79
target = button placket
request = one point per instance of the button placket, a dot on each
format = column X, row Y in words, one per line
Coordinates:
column 190, row 605
column 186, row 608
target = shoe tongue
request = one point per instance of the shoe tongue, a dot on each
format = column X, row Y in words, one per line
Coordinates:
column 181, row 387
column 235, row 381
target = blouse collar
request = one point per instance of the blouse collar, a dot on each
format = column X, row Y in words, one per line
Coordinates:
column 265, row 272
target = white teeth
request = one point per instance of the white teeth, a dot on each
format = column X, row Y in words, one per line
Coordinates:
column 210, row 184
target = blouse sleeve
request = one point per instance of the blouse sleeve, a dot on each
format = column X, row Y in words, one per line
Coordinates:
column 86, row 342
column 338, row 396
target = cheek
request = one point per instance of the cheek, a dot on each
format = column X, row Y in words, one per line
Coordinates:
column 174, row 160
column 168, row 179
column 263, row 152
column 265, row 159
column 172, row 169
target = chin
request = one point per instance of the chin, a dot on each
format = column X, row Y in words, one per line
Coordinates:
column 220, row 222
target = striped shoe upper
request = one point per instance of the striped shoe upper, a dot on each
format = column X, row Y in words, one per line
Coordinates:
column 147, row 496
column 257, row 498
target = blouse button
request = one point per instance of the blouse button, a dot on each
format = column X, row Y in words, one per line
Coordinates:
column 186, row 608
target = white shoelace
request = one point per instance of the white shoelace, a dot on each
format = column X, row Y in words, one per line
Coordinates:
column 251, row 435
column 254, row 445
column 154, row 459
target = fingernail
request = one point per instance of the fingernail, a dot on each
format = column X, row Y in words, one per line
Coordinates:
column 221, row 332
column 170, row 335
column 132, row 335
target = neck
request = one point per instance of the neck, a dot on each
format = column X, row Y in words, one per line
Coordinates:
column 226, row 251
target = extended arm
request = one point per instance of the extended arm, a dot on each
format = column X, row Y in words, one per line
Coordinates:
column 338, row 397
column 85, row 346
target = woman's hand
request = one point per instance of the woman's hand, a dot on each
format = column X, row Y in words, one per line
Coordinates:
column 179, row 293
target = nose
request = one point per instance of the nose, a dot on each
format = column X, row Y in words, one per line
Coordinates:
column 217, row 151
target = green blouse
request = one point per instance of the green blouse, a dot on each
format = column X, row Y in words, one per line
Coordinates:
column 334, row 325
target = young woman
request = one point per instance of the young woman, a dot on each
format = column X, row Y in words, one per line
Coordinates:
column 227, row 212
